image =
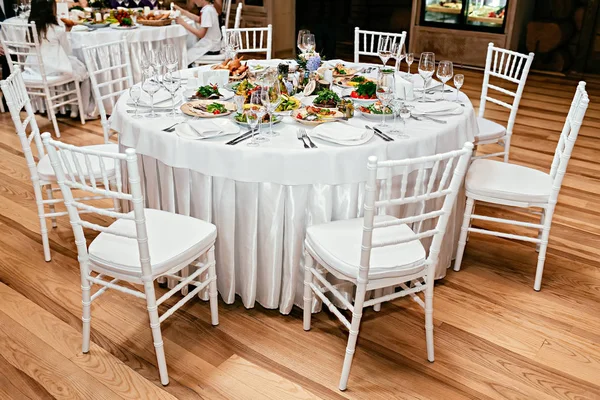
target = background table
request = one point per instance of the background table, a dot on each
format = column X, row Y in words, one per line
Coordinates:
column 262, row 199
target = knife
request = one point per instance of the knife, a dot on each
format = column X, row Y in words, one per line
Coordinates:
column 240, row 138
column 383, row 135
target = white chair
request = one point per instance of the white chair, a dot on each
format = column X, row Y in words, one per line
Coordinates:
column 110, row 64
column 254, row 40
column 217, row 58
column 380, row 251
column 370, row 42
column 509, row 185
column 238, row 15
column 21, row 40
column 512, row 67
column 138, row 247
column 41, row 172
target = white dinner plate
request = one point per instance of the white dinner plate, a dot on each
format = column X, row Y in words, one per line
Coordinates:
column 375, row 117
column 117, row 26
column 206, row 129
column 225, row 94
column 325, row 132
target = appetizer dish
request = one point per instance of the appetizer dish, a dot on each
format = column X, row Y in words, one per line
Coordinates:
column 352, row 82
column 315, row 115
column 237, row 70
column 123, row 18
column 242, row 118
column 341, row 70
column 326, row 98
column 214, row 108
column 207, row 108
column 207, row 92
column 245, row 88
column 288, row 104
column 365, row 91
column 375, row 108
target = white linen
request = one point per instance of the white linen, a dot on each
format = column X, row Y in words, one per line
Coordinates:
column 262, row 199
column 441, row 108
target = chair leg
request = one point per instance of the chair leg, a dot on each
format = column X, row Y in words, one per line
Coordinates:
column 212, row 294
column 37, row 189
column 464, row 231
column 86, row 301
column 156, row 333
column 51, row 114
column 542, row 218
column 51, row 206
column 80, row 103
column 542, row 255
column 308, row 294
column 354, row 328
column 506, row 148
column 429, row 319
column 376, row 294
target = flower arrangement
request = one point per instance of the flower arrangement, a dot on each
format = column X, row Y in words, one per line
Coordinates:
column 309, row 61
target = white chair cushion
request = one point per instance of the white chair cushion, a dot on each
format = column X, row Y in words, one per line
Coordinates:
column 339, row 243
column 488, row 130
column 53, row 80
column 499, row 180
column 172, row 240
column 46, row 172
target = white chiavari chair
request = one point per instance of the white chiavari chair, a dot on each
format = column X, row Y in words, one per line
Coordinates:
column 508, row 66
column 110, row 64
column 254, row 40
column 20, row 41
column 380, row 251
column 213, row 59
column 238, row 16
column 509, row 185
column 227, row 8
column 138, row 247
column 41, row 173
column 366, row 43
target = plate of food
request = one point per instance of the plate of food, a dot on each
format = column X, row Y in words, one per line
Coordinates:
column 96, row 24
column 342, row 70
column 365, row 93
column 243, row 88
column 315, row 115
column 241, row 118
column 156, row 18
column 351, row 82
column 124, row 20
column 237, row 70
column 375, row 111
column 207, row 108
column 287, row 105
column 326, row 98
column 208, row 92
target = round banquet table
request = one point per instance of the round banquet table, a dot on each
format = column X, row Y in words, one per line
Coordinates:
column 262, row 198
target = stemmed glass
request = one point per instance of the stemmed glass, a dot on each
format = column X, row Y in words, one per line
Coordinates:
column 22, row 7
column 404, row 114
column 172, row 82
column 445, row 72
column 384, row 49
column 171, row 58
column 410, row 57
column 157, row 60
column 308, row 41
column 459, row 79
column 232, row 44
column 271, row 101
column 300, row 42
column 399, row 54
column 150, row 85
column 239, row 103
column 385, row 91
column 426, row 70
column 256, row 103
column 135, row 92
column 396, row 106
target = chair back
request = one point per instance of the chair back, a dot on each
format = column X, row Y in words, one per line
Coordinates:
column 567, row 139
column 87, row 169
column 238, row 15
column 110, row 64
column 227, row 7
column 15, row 93
column 509, row 66
column 21, row 41
column 433, row 194
column 254, row 40
column 369, row 45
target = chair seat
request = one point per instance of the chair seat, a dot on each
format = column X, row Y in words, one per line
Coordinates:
column 35, row 80
column 499, row 180
column 338, row 244
column 489, row 130
column 46, row 172
column 173, row 239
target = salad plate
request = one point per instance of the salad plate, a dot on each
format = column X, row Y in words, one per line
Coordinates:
column 240, row 119
column 374, row 111
column 116, row 25
column 207, row 108
column 208, row 92
column 314, row 116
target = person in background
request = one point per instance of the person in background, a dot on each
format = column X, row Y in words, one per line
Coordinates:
column 56, row 51
column 6, row 12
column 205, row 28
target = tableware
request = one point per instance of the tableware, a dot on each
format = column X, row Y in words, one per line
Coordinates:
column 437, row 109
column 271, row 104
column 135, row 92
column 224, row 94
column 340, row 70
column 253, row 118
column 116, row 25
column 384, row 49
column 404, row 114
column 445, row 72
column 347, row 136
column 396, row 105
column 240, row 138
column 410, row 58
column 171, row 57
column 206, row 129
column 300, row 42
column 199, row 108
column 302, row 139
column 261, row 111
column 459, row 80
column 172, row 82
column 308, row 40
column 426, row 70
column 320, row 119
column 276, row 119
column 379, row 133
column 385, row 91
column 306, row 137
column 172, row 127
column 96, row 25
column 150, row 85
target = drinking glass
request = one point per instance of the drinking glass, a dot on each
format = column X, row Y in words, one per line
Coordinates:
column 399, row 54
column 150, row 85
column 404, row 114
column 252, row 119
column 426, row 70
column 308, row 40
column 300, row 41
column 239, row 103
column 135, row 92
column 171, row 58
column 172, row 82
column 271, row 98
column 445, row 72
column 459, row 79
column 384, row 49
column 157, row 60
column 410, row 57
column 260, row 111
column 385, row 91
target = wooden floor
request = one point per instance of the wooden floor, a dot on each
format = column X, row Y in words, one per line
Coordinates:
column 495, row 337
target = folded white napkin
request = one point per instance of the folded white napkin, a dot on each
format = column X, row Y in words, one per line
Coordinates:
column 161, row 99
column 216, row 77
column 340, row 132
column 404, row 88
column 436, row 108
column 206, row 129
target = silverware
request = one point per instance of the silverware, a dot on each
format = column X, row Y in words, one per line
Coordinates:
column 240, row 138
column 380, row 134
column 301, row 138
column 146, row 109
column 172, row 127
column 439, row 121
column 305, row 135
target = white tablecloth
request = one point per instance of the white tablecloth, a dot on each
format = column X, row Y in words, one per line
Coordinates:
column 262, row 199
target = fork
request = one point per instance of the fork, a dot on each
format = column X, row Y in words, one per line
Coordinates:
column 305, row 136
column 301, row 138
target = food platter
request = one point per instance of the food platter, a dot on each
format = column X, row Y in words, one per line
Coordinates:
column 120, row 27
column 201, row 108
column 340, row 70
column 322, row 115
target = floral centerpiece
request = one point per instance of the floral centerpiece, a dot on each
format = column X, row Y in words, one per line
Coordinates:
column 309, row 61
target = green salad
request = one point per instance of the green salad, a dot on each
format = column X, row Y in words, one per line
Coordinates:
column 207, row 91
column 216, row 108
column 326, row 98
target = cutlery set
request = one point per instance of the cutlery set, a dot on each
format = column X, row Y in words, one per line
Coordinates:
column 305, row 139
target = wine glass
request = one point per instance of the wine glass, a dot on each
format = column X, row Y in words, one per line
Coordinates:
column 150, row 85
column 308, row 40
column 445, row 72
column 171, row 58
column 135, row 92
column 120, row 2
column 271, row 98
column 459, row 79
column 399, row 51
column 144, row 62
column 239, row 103
column 300, row 42
column 260, row 110
column 410, row 57
column 404, row 115
column 384, row 49
column 172, row 82
column 157, row 60
column 252, row 119
column 426, row 70
column 385, row 91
